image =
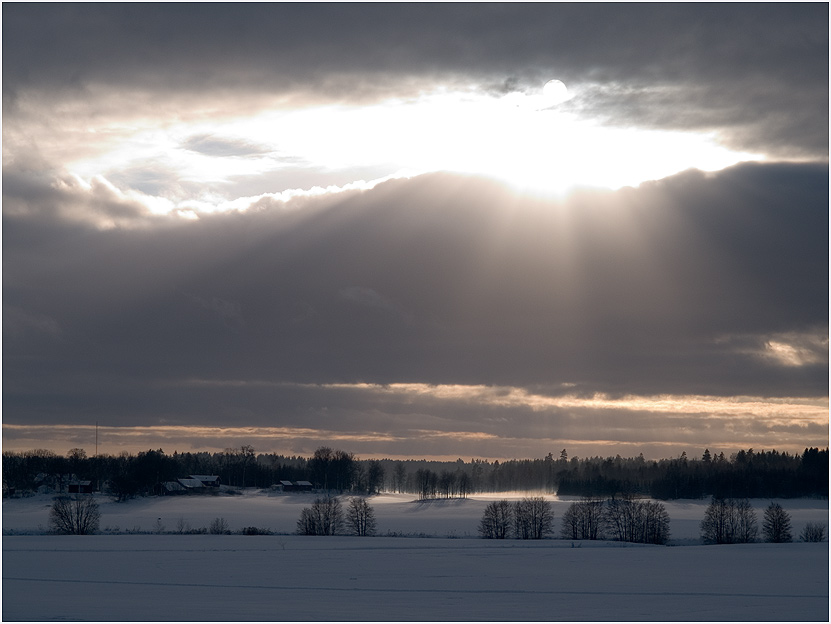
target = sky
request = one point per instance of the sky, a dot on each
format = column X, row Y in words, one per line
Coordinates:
column 432, row 230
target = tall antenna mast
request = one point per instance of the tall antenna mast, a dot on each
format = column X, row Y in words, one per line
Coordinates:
column 96, row 438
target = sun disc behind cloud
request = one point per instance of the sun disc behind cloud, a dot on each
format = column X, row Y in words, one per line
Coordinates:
column 555, row 92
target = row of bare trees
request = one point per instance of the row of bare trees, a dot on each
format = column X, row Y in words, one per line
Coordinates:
column 326, row 517
column 623, row 519
column 444, row 484
column 726, row 521
column 529, row 518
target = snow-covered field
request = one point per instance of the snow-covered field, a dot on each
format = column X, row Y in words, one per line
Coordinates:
column 287, row 577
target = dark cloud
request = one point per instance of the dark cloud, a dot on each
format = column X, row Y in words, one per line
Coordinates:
column 677, row 287
column 756, row 72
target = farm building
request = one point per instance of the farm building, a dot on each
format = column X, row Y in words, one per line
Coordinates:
column 173, row 487
column 80, row 487
column 207, row 480
column 191, row 484
column 297, row 486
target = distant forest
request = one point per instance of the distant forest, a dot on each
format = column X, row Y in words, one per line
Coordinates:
column 751, row 474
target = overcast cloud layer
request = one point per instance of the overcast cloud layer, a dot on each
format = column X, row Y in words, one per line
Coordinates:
column 757, row 72
column 438, row 314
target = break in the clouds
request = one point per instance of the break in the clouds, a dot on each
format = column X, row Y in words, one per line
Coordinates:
column 367, row 225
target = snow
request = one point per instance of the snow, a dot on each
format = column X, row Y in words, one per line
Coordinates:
column 286, row 577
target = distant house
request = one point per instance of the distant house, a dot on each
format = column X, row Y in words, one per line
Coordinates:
column 173, row 487
column 191, row 484
column 297, row 486
column 207, row 480
column 80, row 487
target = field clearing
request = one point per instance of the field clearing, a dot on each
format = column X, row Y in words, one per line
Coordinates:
column 298, row 578
column 284, row 577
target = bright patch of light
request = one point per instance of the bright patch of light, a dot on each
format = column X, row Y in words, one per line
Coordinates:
column 555, row 92
column 522, row 139
column 786, row 354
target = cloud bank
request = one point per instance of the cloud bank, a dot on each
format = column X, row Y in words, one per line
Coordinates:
column 711, row 285
column 757, row 73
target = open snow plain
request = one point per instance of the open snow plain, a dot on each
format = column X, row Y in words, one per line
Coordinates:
column 284, row 577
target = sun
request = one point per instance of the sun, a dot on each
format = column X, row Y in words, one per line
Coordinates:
column 555, row 92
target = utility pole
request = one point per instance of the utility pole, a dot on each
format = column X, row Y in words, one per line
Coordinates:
column 97, row 465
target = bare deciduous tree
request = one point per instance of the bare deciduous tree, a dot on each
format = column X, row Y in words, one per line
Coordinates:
column 642, row 522
column 533, row 518
column 716, row 525
column 374, row 476
column 583, row 520
column 76, row 515
column 464, row 484
column 813, row 532
column 399, row 476
column 447, row 483
column 324, row 517
column 654, row 527
column 496, row 521
column 747, row 529
column 219, row 527
column 776, row 526
column 360, row 517
column 729, row 521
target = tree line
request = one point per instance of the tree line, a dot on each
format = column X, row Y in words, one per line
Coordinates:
column 745, row 474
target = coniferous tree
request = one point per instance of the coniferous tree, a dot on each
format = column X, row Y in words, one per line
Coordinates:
column 776, row 526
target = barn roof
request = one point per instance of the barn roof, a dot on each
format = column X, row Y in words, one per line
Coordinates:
column 191, row 483
column 286, row 483
column 205, row 477
column 304, row 483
